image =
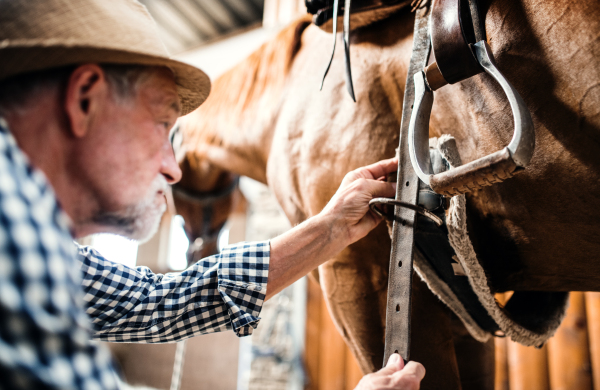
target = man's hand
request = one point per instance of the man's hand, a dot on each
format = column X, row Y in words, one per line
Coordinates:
column 344, row 220
column 394, row 376
column 349, row 207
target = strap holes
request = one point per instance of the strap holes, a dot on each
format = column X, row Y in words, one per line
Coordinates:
column 407, row 183
column 397, row 308
column 399, row 264
column 396, row 351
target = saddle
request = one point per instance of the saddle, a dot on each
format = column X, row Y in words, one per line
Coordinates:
column 446, row 261
column 429, row 211
column 364, row 12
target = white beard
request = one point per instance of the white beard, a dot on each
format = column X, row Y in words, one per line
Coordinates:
column 140, row 221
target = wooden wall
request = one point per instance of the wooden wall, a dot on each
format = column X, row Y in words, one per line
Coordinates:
column 328, row 362
column 569, row 361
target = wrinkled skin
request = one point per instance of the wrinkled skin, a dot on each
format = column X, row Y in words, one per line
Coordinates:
column 537, row 231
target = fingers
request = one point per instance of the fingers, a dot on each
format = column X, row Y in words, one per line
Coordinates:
column 394, row 376
column 352, row 202
column 381, row 189
column 395, row 364
column 378, row 169
column 409, row 378
column 416, row 369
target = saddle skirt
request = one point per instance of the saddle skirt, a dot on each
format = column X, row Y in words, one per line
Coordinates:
column 446, row 260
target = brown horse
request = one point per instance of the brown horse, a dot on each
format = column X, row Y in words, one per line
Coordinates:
column 205, row 197
column 535, row 232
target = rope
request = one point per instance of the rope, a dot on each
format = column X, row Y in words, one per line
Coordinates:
column 178, row 366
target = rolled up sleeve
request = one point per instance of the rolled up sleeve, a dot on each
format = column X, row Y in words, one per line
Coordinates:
column 221, row 292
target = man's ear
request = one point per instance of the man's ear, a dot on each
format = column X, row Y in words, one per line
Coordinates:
column 85, row 94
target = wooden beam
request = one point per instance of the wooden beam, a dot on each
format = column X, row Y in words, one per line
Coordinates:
column 313, row 331
column 353, row 371
column 527, row 367
column 592, row 305
column 332, row 359
column 501, row 374
column 568, row 352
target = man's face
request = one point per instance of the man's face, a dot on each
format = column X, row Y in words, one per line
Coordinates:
column 127, row 160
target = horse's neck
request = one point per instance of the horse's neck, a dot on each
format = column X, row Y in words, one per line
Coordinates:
column 234, row 128
column 242, row 150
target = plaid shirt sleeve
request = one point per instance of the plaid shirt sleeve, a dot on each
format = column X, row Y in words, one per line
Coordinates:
column 44, row 331
column 224, row 291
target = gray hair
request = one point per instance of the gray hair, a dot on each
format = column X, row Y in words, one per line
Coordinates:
column 16, row 91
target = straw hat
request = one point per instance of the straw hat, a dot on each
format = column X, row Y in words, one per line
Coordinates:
column 42, row 34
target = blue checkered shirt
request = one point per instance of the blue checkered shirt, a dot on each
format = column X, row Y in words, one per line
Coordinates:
column 55, row 297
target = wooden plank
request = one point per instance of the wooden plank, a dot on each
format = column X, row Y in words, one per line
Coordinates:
column 568, row 353
column 332, row 357
column 353, row 371
column 592, row 303
column 501, row 380
column 501, row 374
column 313, row 331
column 527, row 367
column 328, row 361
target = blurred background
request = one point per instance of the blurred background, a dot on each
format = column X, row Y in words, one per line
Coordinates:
column 215, row 35
column 296, row 345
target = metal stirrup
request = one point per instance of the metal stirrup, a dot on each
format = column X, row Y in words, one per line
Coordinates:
column 484, row 171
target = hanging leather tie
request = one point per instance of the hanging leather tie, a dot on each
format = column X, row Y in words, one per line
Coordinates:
column 346, row 38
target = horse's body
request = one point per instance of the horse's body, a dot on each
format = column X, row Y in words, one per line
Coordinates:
column 537, row 231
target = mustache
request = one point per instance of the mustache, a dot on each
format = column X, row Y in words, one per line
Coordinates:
column 130, row 221
column 159, row 184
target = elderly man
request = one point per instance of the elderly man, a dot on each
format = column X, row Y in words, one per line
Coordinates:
column 87, row 97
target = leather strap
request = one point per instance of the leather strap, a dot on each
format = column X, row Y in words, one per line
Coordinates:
column 349, row 85
column 397, row 335
column 346, row 37
column 335, row 18
column 451, row 34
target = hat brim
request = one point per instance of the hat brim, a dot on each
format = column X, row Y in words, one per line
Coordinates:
column 193, row 85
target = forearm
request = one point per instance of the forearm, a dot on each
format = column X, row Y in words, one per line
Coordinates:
column 220, row 292
column 344, row 220
column 302, row 249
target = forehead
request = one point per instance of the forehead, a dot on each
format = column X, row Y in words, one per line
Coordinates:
column 159, row 90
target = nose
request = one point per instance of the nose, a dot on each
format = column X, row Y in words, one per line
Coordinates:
column 169, row 167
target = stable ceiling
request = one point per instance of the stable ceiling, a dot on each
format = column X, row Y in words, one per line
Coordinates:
column 185, row 24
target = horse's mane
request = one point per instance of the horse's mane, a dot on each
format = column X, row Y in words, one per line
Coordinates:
column 260, row 76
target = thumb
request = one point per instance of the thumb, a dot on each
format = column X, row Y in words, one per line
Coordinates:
column 395, row 363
